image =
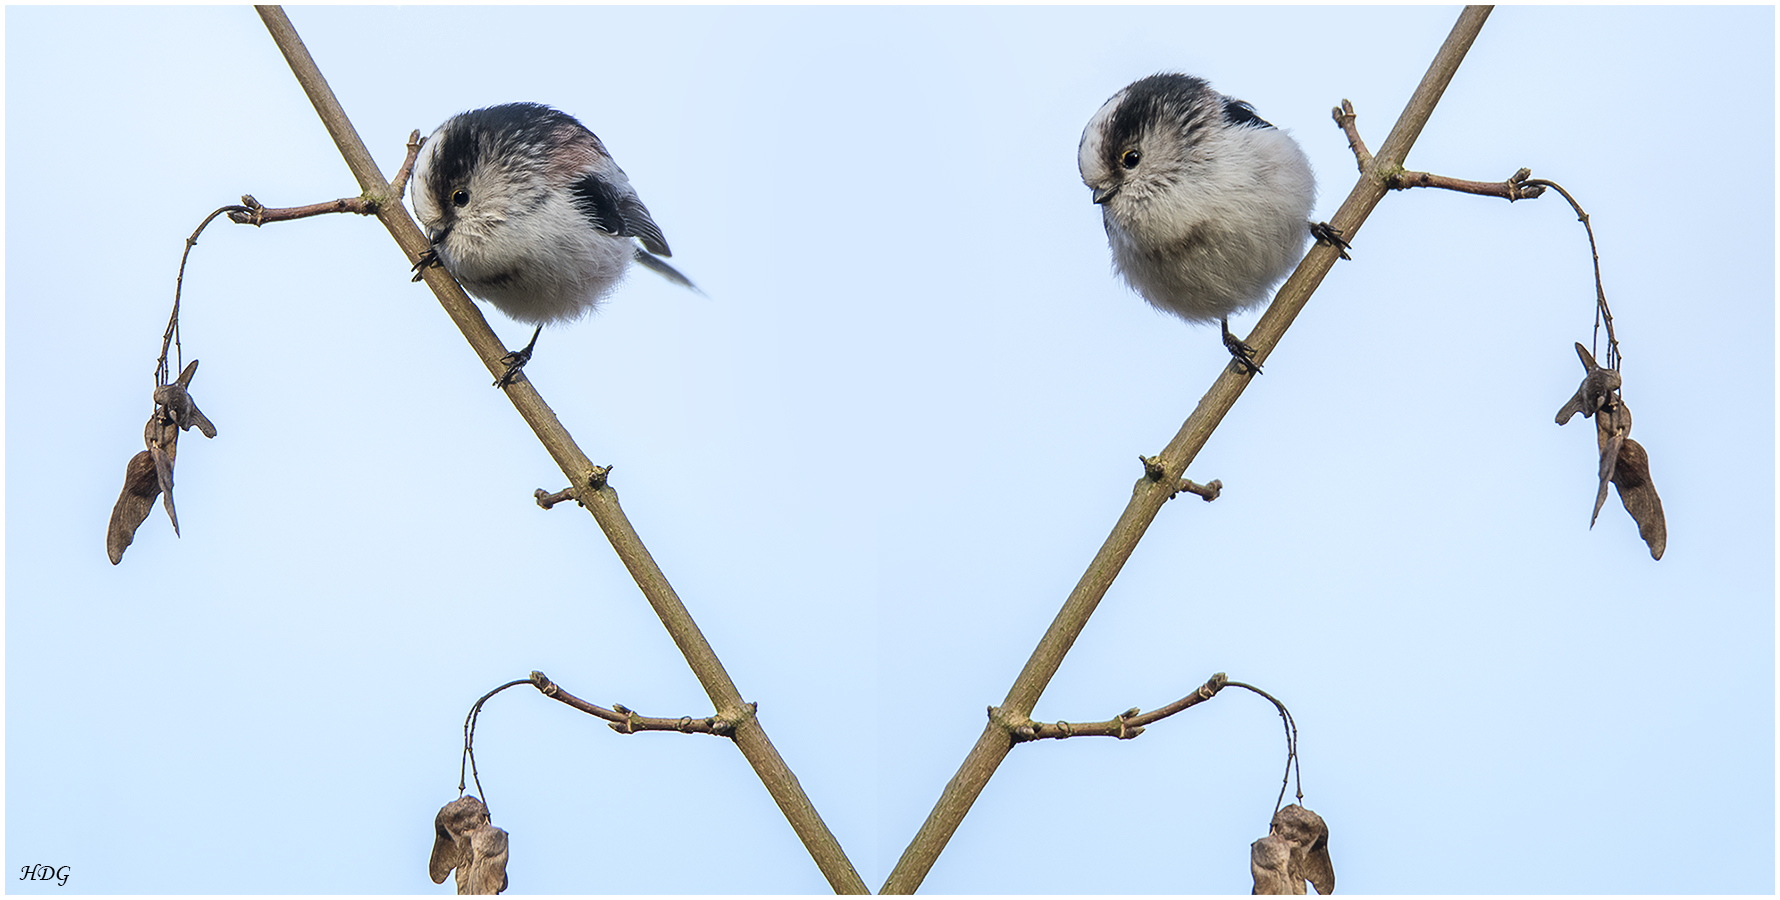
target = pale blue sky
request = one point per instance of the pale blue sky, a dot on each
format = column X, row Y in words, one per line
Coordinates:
column 875, row 459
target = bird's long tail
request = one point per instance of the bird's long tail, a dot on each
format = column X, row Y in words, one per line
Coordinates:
column 658, row 266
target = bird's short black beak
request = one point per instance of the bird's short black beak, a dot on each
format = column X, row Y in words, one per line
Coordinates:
column 1101, row 195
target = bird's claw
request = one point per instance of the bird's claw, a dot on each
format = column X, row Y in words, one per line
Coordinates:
column 1329, row 235
column 516, row 360
column 427, row 260
column 515, row 363
column 1241, row 352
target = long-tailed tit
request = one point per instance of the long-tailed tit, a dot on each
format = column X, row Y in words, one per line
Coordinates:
column 1206, row 204
column 527, row 210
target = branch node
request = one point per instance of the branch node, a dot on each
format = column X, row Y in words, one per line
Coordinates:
column 1213, row 684
column 1152, row 467
column 726, row 722
column 254, row 214
column 596, row 478
column 543, row 683
column 1518, row 187
column 1128, row 731
column 1019, row 728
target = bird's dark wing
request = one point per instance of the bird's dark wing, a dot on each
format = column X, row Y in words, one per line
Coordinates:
column 615, row 209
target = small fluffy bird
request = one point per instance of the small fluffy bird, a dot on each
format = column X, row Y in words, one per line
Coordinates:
column 1206, row 204
column 527, row 210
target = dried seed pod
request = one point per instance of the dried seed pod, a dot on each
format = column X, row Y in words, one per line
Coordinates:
column 464, row 840
column 1295, row 850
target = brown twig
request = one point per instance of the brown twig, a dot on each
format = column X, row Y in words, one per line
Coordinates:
column 595, row 480
column 625, row 721
column 1515, row 187
column 1124, row 726
column 256, row 214
column 399, row 184
column 1150, row 493
column 1344, row 117
column 1154, row 470
column 1208, row 492
column 547, row 500
column 1204, row 692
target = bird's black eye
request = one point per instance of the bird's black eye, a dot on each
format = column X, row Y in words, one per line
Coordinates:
column 460, row 198
column 1129, row 160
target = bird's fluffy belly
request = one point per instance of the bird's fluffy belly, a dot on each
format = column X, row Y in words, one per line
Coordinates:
column 562, row 284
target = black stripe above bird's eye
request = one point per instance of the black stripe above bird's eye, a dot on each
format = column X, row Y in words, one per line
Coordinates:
column 1147, row 102
column 453, row 161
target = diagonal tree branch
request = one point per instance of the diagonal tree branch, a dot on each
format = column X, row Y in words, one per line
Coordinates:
column 1153, row 489
column 590, row 488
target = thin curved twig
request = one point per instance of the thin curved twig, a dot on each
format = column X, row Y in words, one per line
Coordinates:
column 469, row 755
column 1291, row 745
column 171, row 337
column 1603, row 315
